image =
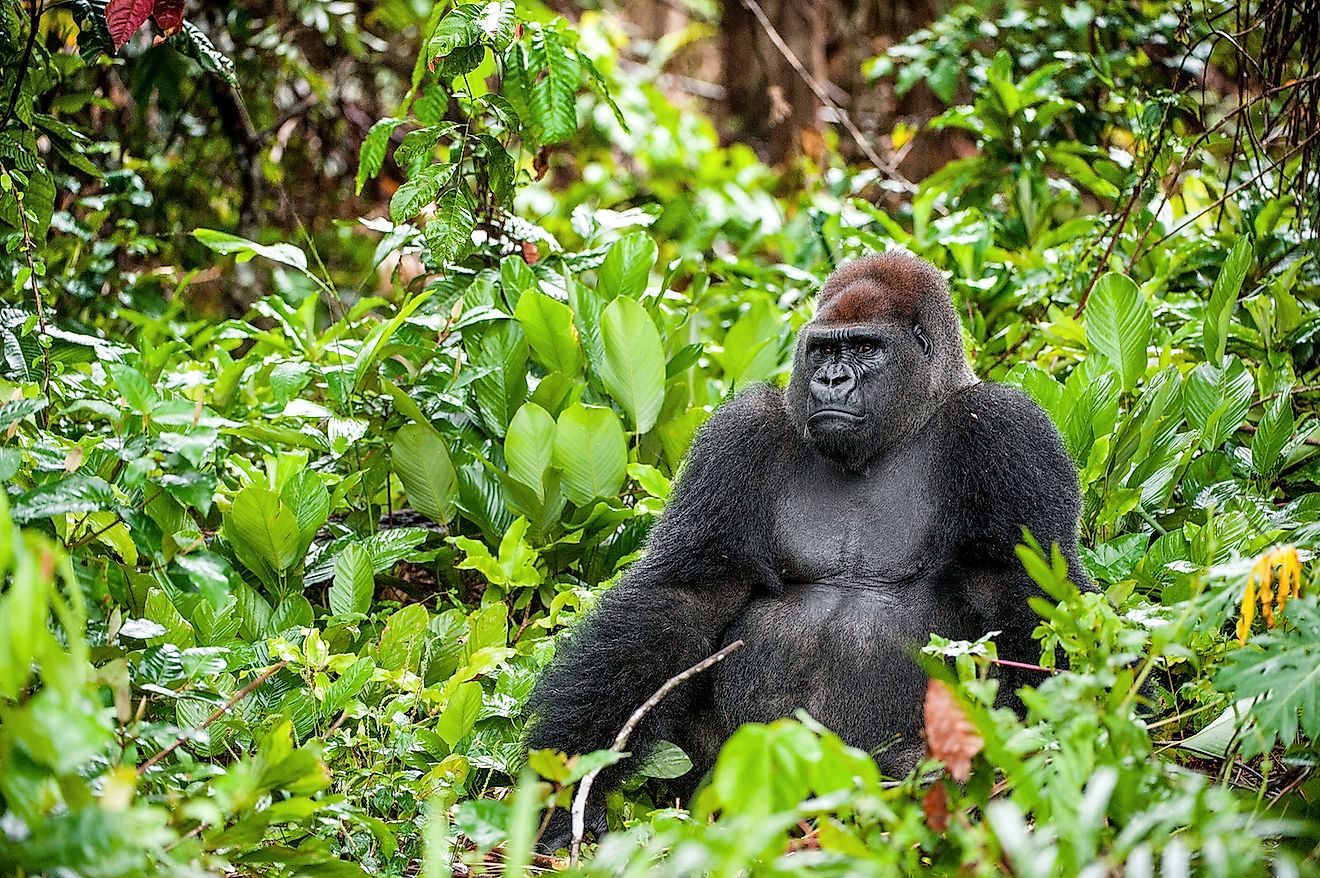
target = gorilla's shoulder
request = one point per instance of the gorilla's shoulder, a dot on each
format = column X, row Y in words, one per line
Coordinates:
column 987, row 410
column 994, row 432
column 754, row 416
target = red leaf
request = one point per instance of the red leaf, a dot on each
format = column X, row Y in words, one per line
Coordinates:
column 950, row 735
column 124, row 17
column 936, row 806
column 169, row 15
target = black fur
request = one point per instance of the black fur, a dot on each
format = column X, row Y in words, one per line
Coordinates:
column 832, row 544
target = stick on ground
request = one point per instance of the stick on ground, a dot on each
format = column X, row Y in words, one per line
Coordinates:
column 579, row 812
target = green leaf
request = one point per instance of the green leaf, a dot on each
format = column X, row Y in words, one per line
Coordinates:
column 1272, row 435
column 627, row 266
column 592, row 452
column 1119, row 324
column 343, row 690
column 421, row 142
column 666, row 760
column 132, row 386
column 305, row 495
column 633, row 370
column 13, row 412
column 1281, row 668
column 548, row 325
column 554, row 96
column 460, row 714
column 1223, row 299
column 419, row 191
column 371, row 157
column 1216, row 400
column 529, row 447
column 501, row 354
column 76, row 494
column 422, row 463
column 354, row 582
column 243, row 249
column 374, row 345
column 262, row 531
column 402, row 640
column 449, row 232
column 751, row 346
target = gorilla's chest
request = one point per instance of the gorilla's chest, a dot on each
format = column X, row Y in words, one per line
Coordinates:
column 873, row 529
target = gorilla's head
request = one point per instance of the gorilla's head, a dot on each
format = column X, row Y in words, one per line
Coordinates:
column 882, row 353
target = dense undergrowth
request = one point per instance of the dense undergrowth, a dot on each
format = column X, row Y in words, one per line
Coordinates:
column 277, row 585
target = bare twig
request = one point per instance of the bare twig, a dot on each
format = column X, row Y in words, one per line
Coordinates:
column 215, row 715
column 579, row 812
column 887, row 168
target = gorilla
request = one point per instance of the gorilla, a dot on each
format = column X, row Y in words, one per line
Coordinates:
column 832, row 527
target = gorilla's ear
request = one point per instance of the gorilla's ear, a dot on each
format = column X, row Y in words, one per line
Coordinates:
column 926, row 346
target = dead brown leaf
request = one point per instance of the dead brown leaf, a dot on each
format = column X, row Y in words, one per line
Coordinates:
column 950, row 735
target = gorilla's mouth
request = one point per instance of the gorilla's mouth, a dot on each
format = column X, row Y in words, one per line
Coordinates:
column 834, row 417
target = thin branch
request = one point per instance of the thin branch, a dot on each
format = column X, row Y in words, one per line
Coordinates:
column 579, row 812
column 23, row 64
column 215, row 715
column 887, row 168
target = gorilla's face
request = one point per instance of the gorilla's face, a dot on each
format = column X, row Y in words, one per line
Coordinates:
column 859, row 388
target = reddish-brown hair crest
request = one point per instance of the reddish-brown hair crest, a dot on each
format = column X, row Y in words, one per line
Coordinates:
column 886, row 286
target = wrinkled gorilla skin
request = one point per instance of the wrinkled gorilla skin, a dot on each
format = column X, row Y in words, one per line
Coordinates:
column 832, row 527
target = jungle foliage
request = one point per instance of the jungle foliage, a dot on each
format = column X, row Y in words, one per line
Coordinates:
column 296, row 502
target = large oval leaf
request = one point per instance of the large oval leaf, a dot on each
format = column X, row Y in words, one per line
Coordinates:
column 422, row 463
column 627, row 266
column 529, row 447
column 633, row 369
column 262, row 531
column 1119, row 324
column 592, row 451
column 549, row 328
column 1223, row 299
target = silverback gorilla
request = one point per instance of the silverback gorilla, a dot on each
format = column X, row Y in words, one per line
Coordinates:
column 833, row 527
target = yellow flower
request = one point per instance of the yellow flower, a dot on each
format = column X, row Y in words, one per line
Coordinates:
column 1261, row 588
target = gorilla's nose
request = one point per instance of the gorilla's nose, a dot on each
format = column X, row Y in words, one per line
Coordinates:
column 832, row 382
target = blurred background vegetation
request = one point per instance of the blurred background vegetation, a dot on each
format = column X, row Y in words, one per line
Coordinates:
column 350, row 349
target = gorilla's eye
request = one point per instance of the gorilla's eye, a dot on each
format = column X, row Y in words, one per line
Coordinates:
column 865, row 348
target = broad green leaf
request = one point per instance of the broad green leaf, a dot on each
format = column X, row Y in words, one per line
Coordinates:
column 243, row 249
column 529, row 447
column 633, row 370
column 1119, row 324
column 305, row 495
column 1272, row 435
column 13, row 412
column 548, row 325
column 1223, row 298
column 75, row 494
column 501, row 354
column 592, row 451
column 354, row 582
column 421, row 142
column 422, row 463
column 262, row 531
column 1216, row 400
column 460, row 714
column 751, row 346
column 402, row 640
column 449, row 231
column 418, row 191
column 132, row 386
column 627, row 266
column 665, row 760
column 343, row 690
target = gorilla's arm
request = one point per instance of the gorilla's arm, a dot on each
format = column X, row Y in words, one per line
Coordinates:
column 705, row 556
column 1007, row 469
